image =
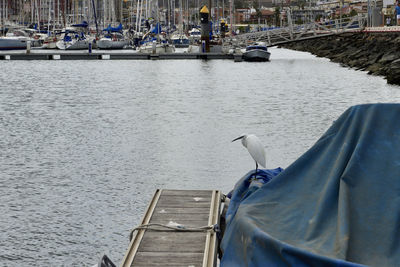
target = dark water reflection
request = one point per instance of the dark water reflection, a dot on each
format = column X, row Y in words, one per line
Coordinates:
column 83, row 144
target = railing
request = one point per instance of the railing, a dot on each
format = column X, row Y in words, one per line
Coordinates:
column 294, row 33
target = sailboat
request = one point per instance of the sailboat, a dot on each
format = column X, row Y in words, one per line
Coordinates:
column 155, row 43
column 73, row 38
column 179, row 39
column 113, row 39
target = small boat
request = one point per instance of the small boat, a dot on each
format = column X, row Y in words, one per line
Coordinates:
column 326, row 208
column 256, row 52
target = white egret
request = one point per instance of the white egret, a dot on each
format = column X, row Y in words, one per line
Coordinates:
column 255, row 148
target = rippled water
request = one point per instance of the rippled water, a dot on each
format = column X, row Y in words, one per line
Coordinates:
column 84, row 144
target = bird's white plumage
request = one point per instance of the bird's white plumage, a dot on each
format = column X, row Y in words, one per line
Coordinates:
column 255, row 148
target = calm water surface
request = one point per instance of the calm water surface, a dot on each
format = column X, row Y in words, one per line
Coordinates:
column 84, row 144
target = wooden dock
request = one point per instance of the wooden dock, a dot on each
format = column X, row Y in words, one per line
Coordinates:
column 194, row 243
column 100, row 55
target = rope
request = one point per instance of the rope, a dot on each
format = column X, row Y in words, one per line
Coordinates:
column 178, row 228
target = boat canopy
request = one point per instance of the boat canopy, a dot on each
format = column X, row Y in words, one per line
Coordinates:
column 156, row 29
column 337, row 205
column 113, row 29
column 253, row 47
column 84, row 24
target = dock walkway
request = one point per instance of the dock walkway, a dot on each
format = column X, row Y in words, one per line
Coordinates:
column 194, row 213
column 37, row 54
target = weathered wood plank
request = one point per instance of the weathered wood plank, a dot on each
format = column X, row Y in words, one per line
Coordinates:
column 169, row 259
column 187, row 210
column 183, row 201
column 173, row 241
column 195, row 199
column 186, row 223
column 179, row 217
column 194, row 193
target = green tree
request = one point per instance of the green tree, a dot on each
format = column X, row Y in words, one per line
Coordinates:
column 277, row 15
column 353, row 13
column 240, row 4
column 257, row 7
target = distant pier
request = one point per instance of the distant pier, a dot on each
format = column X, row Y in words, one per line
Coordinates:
column 110, row 55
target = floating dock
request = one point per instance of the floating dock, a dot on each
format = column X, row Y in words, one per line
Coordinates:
column 178, row 229
column 113, row 55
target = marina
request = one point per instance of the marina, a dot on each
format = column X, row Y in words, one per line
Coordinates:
column 86, row 144
column 118, row 122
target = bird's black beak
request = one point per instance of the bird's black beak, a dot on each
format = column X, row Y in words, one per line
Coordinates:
column 240, row 137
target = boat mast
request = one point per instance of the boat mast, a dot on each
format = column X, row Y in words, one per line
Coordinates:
column 58, row 14
column 95, row 17
column 49, row 18
column 37, row 14
column 137, row 15
column 216, row 17
column 113, row 17
column 104, row 13
column 82, row 14
column 169, row 14
column 140, row 17
column 180, row 18
column 120, row 11
column 20, row 12
column 76, row 11
column 5, row 10
column 2, row 17
column 131, row 14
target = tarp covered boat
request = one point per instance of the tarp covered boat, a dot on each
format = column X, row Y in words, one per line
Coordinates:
column 337, row 205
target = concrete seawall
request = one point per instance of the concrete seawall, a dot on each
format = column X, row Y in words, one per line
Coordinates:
column 377, row 53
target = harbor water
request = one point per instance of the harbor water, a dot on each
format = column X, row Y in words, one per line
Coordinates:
column 84, row 144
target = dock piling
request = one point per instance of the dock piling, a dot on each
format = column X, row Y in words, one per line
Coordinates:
column 28, row 47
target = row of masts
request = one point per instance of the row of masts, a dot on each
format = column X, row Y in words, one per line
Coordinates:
column 60, row 13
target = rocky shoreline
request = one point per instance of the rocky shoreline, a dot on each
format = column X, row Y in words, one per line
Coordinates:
column 377, row 53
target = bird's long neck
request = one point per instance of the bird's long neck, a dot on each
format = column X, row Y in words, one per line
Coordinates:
column 244, row 142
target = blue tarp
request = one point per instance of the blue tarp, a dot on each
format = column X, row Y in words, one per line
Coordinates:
column 113, row 29
column 337, row 205
column 156, row 29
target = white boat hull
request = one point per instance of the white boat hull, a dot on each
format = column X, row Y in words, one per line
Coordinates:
column 156, row 49
column 73, row 45
column 109, row 44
